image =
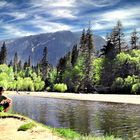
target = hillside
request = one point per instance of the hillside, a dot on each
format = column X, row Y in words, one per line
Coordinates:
column 58, row 44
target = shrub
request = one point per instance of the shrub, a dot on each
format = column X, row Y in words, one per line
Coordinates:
column 38, row 84
column 119, row 81
column 61, row 87
column 130, row 80
column 26, row 126
column 136, row 88
column 4, row 84
column 1, row 108
column 28, row 84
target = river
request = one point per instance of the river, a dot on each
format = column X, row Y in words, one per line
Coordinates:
column 86, row 117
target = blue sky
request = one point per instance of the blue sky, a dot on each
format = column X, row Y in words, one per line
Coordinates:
column 28, row 17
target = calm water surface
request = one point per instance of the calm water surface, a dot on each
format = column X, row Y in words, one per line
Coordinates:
column 86, row 117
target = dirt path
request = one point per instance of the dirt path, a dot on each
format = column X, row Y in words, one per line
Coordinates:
column 9, row 126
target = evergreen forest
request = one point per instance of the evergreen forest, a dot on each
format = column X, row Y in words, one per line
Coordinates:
column 115, row 69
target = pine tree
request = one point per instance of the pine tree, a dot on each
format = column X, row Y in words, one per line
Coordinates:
column 29, row 61
column 3, row 54
column 25, row 65
column 83, row 42
column 134, row 39
column 44, row 64
column 15, row 63
column 89, row 58
column 19, row 66
column 117, row 37
column 37, row 69
column 88, row 54
column 108, row 50
column 61, row 67
column 74, row 55
column 10, row 63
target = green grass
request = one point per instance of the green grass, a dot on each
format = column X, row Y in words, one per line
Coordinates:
column 72, row 135
column 67, row 133
column 26, row 126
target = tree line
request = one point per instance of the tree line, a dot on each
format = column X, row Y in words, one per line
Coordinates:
column 115, row 69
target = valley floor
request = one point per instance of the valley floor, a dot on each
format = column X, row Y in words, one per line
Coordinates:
column 131, row 99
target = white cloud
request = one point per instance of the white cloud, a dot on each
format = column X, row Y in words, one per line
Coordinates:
column 53, row 27
column 62, row 3
column 47, row 26
column 16, row 15
column 125, row 13
column 46, row 16
column 128, row 17
column 6, row 4
column 99, row 3
column 53, row 3
column 62, row 13
column 14, row 31
column 55, row 8
column 2, row 3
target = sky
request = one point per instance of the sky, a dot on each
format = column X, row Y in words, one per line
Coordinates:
column 29, row 17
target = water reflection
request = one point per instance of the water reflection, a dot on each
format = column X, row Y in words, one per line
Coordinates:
column 85, row 117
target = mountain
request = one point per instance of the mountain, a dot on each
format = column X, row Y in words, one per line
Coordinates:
column 58, row 44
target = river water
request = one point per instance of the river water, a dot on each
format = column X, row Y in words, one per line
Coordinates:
column 86, row 117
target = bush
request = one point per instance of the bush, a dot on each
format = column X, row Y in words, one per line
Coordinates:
column 61, row 87
column 38, row 83
column 26, row 126
column 28, row 84
column 1, row 108
column 119, row 81
column 130, row 84
column 136, row 88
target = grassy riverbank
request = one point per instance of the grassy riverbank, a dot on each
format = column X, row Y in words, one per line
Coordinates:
column 35, row 130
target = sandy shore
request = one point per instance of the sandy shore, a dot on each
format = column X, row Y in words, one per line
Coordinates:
column 131, row 99
column 9, row 126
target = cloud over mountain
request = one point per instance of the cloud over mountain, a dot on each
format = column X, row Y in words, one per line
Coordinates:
column 28, row 17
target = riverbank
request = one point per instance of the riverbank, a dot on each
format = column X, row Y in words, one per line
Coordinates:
column 10, row 124
column 115, row 98
column 15, row 127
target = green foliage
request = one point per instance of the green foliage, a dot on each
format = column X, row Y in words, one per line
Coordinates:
column 119, row 81
column 20, row 81
column 26, row 126
column 28, row 85
column 61, row 87
column 73, row 76
column 52, row 75
column 130, row 80
column 67, row 133
column 136, row 88
column 132, row 58
column 123, row 57
column 4, row 84
column 132, row 83
column 6, row 76
column 97, row 71
column 1, row 108
column 72, row 135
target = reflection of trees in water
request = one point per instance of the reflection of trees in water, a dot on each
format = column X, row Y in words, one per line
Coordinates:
column 75, row 116
column 118, row 122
